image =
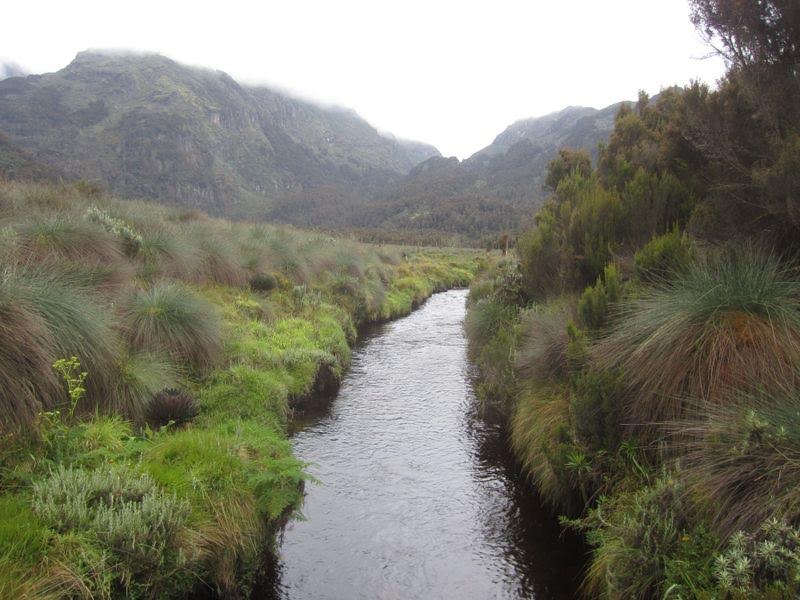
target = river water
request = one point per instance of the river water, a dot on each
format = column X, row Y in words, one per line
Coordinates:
column 416, row 495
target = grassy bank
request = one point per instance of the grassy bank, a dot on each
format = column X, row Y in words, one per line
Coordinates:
column 152, row 460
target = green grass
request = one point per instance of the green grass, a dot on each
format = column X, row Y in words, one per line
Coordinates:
column 156, row 298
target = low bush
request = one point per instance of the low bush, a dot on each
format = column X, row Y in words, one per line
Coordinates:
column 664, row 256
column 137, row 528
column 764, row 564
column 596, row 302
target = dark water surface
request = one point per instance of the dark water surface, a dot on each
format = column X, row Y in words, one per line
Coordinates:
column 417, row 495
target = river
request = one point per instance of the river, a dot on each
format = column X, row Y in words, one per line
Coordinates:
column 416, row 495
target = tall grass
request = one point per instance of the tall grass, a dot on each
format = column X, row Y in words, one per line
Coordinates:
column 169, row 317
column 744, row 455
column 728, row 322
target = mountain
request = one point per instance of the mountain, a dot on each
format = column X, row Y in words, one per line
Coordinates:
column 572, row 127
column 497, row 189
column 146, row 126
column 143, row 125
column 10, row 69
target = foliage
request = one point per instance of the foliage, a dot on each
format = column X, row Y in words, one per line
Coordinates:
column 664, row 256
column 596, row 302
column 263, row 282
column 170, row 318
column 744, row 454
column 136, row 527
column 171, row 406
column 644, row 542
column 730, row 321
column 765, row 564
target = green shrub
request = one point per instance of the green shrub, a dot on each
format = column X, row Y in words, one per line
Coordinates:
column 595, row 303
column 168, row 317
column 642, row 540
column 137, row 526
column 596, row 406
column 765, row 564
column 664, row 256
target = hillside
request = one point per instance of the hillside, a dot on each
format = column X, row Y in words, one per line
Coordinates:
column 496, row 189
column 10, row 69
column 146, row 126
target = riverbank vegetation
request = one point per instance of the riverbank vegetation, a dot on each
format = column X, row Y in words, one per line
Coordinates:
column 644, row 338
column 149, row 360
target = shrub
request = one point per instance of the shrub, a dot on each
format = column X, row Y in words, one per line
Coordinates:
column 131, row 239
column 596, row 301
column 727, row 323
column 168, row 317
column 172, row 406
column 263, row 282
column 596, row 406
column 139, row 527
column 744, row 455
column 664, row 256
column 643, row 541
column 765, row 564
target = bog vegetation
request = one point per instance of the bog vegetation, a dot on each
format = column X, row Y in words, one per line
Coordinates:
column 644, row 339
column 149, row 360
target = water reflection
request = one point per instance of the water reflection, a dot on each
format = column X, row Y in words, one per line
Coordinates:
column 418, row 495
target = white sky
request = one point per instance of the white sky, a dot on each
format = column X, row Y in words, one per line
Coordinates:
column 450, row 73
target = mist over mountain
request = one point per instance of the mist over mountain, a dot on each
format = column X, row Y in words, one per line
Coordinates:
column 143, row 125
column 10, row 69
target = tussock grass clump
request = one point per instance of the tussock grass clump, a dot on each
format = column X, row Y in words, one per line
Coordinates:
column 66, row 237
column 26, row 375
column 141, row 375
column 542, row 441
column 745, row 457
column 542, row 354
column 169, row 317
column 218, row 260
column 45, row 318
column 727, row 323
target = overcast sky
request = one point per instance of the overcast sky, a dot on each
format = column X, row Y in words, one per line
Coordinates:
column 451, row 73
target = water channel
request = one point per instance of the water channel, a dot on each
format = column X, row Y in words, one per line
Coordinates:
column 416, row 494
